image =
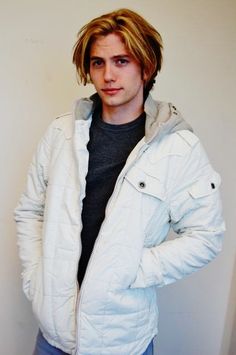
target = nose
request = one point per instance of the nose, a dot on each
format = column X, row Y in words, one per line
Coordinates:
column 109, row 74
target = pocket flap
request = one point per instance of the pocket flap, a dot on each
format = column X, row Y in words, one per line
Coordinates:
column 146, row 184
column 205, row 186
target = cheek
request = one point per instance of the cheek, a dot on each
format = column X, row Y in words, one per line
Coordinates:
column 95, row 77
column 134, row 73
column 92, row 74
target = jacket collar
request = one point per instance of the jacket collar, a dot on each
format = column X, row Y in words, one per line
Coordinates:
column 161, row 117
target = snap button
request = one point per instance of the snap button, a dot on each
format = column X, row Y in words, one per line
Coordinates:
column 142, row 184
column 213, row 185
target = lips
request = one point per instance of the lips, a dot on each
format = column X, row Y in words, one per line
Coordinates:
column 111, row 91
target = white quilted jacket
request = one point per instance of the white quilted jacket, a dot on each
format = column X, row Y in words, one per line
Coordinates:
column 166, row 183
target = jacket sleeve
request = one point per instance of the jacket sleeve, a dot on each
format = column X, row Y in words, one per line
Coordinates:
column 196, row 218
column 29, row 213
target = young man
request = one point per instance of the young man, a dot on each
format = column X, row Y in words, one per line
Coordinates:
column 106, row 185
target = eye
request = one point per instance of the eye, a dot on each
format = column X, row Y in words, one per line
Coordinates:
column 122, row 62
column 96, row 63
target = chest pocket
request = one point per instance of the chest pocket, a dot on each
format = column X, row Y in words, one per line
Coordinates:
column 149, row 203
column 146, row 184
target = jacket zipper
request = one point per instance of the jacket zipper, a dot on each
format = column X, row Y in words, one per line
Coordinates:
column 126, row 168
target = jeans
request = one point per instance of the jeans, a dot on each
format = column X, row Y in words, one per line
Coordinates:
column 42, row 347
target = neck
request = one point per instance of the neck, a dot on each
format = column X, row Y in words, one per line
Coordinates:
column 120, row 115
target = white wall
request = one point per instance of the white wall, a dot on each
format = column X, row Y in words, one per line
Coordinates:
column 37, row 82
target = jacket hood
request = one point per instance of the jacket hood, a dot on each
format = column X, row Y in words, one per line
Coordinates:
column 161, row 117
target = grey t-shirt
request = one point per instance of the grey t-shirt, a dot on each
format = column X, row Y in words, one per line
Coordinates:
column 109, row 147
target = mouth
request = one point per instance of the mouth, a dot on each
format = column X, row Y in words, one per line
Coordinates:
column 111, row 91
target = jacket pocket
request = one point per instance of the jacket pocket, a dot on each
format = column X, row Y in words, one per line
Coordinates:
column 33, row 283
column 146, row 184
column 28, row 280
column 148, row 201
column 205, row 186
column 201, row 195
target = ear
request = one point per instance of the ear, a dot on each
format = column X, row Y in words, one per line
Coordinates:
column 145, row 76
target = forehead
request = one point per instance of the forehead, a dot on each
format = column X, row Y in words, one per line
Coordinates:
column 109, row 44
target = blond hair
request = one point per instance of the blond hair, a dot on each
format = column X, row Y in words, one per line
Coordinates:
column 141, row 39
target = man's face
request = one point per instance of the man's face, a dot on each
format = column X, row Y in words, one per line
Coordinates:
column 116, row 75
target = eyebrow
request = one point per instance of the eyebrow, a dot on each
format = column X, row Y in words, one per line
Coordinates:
column 114, row 57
